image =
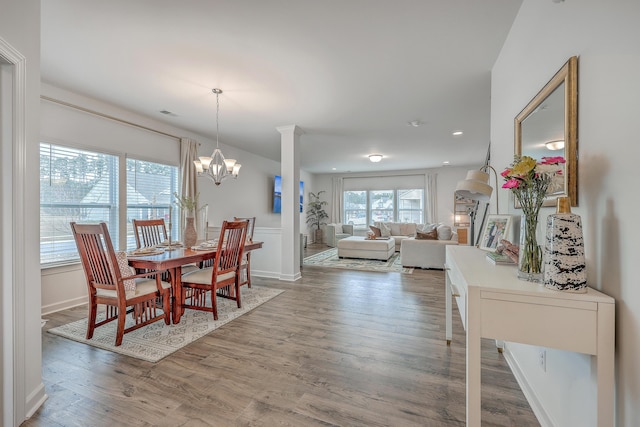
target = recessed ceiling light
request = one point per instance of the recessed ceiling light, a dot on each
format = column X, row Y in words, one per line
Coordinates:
column 415, row 123
column 333, row 168
column 168, row 113
column 375, row 158
column 457, row 133
column 446, row 163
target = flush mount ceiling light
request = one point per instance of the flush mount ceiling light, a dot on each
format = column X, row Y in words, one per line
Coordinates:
column 375, row 158
column 457, row 133
column 555, row 145
column 216, row 167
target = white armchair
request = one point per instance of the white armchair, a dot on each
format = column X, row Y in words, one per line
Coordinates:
column 335, row 232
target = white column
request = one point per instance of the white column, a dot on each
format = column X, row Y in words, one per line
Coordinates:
column 290, row 198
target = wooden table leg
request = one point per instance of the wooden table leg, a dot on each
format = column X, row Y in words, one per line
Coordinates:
column 176, row 294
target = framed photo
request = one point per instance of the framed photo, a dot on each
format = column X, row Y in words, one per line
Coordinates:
column 496, row 229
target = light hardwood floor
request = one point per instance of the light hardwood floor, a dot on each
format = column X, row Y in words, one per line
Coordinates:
column 338, row 348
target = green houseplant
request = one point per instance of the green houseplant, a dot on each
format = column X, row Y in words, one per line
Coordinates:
column 316, row 214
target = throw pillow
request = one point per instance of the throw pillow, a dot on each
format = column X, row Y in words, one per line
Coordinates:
column 444, row 232
column 126, row 271
column 385, row 230
column 338, row 228
column 376, row 231
column 426, row 227
column 429, row 235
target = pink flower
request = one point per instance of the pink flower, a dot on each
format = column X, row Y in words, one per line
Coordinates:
column 512, row 183
column 505, row 173
column 553, row 160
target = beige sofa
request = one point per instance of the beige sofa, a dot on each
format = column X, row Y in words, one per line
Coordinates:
column 424, row 253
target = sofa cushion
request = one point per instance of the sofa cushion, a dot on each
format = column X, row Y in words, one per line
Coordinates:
column 429, row 235
column 408, row 229
column 444, row 232
column 376, row 231
column 385, row 230
column 338, row 227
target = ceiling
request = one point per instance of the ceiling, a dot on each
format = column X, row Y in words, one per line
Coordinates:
column 350, row 73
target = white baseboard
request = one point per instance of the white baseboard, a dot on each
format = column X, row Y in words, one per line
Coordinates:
column 264, row 273
column 290, row 277
column 35, row 400
column 536, row 406
column 63, row 305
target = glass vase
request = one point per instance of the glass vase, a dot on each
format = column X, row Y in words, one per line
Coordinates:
column 530, row 255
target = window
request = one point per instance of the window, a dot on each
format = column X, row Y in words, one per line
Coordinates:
column 75, row 185
column 150, row 188
column 355, row 208
column 84, row 186
column 411, row 205
column 381, row 204
column 366, row 207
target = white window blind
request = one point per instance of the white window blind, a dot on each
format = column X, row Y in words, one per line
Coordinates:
column 150, row 188
column 75, row 185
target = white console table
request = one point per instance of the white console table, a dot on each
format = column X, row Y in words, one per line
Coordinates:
column 494, row 303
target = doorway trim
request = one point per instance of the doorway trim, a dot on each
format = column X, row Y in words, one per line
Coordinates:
column 12, row 238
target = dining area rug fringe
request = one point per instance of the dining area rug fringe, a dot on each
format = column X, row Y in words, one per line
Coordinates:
column 329, row 258
column 157, row 340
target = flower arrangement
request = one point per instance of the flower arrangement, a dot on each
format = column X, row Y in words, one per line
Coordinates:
column 530, row 182
column 189, row 205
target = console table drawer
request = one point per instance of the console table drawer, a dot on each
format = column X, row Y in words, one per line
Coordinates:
column 549, row 326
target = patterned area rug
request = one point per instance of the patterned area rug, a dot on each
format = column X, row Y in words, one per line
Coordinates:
column 157, row 340
column 330, row 259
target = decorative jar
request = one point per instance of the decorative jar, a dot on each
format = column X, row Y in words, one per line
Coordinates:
column 564, row 261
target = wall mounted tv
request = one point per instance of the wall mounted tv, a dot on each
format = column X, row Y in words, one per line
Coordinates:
column 277, row 194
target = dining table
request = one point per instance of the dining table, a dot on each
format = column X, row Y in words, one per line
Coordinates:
column 172, row 260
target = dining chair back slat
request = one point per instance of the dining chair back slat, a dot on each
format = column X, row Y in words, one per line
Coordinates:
column 149, row 232
column 245, row 267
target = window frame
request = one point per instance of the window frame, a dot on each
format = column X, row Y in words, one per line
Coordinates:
column 119, row 204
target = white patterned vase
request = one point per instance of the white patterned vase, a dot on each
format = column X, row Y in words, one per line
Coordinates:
column 564, row 261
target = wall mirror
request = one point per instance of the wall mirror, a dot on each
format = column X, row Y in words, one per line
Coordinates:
column 548, row 127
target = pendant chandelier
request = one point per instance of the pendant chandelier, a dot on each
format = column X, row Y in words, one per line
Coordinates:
column 216, row 167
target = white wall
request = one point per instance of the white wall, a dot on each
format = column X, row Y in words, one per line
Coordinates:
column 22, row 390
column 605, row 37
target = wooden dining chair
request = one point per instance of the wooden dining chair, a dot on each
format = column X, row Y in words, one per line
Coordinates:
column 149, row 232
column 224, row 272
column 245, row 266
column 110, row 281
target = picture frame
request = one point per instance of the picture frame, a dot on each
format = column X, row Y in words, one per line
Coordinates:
column 498, row 227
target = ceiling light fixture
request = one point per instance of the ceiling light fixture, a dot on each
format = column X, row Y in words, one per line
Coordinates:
column 415, row 123
column 375, row 158
column 555, row 145
column 457, row 133
column 216, row 167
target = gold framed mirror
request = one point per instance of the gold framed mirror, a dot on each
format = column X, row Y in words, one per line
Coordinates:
column 550, row 118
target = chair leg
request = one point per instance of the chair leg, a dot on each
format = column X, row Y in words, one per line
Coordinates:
column 122, row 317
column 91, row 320
column 214, row 303
column 248, row 270
column 237, row 286
column 166, row 307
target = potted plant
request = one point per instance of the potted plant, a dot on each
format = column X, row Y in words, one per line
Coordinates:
column 316, row 214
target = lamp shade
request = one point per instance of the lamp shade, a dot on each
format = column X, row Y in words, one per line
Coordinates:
column 475, row 187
